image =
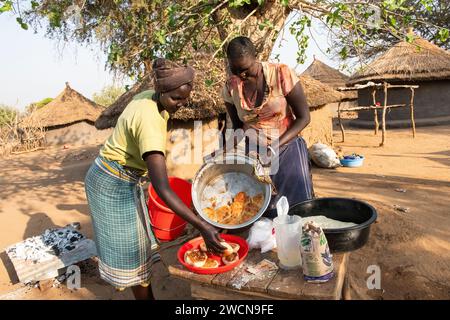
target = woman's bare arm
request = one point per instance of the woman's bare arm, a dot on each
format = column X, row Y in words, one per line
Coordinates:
column 297, row 100
column 157, row 172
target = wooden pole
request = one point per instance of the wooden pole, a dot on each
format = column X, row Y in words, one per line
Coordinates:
column 383, row 119
column 375, row 112
column 340, row 121
column 412, row 113
column 375, row 107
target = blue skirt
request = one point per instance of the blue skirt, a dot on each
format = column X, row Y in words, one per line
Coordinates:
column 293, row 178
column 125, row 243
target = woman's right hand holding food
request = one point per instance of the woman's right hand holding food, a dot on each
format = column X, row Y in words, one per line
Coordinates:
column 212, row 238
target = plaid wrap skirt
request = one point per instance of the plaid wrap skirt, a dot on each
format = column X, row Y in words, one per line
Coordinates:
column 126, row 246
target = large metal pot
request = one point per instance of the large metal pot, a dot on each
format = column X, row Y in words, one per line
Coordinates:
column 230, row 163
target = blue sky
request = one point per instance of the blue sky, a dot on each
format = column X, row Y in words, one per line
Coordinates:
column 34, row 67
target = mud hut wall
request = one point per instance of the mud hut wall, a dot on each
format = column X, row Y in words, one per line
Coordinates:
column 344, row 105
column 432, row 100
column 181, row 145
column 79, row 133
column 320, row 129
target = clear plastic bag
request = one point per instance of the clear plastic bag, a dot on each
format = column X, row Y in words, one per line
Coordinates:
column 261, row 236
column 324, row 156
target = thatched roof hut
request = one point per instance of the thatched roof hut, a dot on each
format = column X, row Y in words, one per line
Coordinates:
column 69, row 119
column 326, row 74
column 321, row 98
column 317, row 93
column 193, row 111
column 206, row 102
column 68, row 107
column 405, row 62
column 418, row 63
column 329, row 76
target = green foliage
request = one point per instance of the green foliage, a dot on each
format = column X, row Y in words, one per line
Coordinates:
column 108, row 95
column 266, row 24
column 6, row 6
column 357, row 38
column 7, row 115
column 22, row 24
column 298, row 30
column 37, row 105
column 444, row 35
column 133, row 33
column 43, row 102
column 239, row 3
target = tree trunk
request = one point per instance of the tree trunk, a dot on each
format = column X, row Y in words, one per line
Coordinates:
column 147, row 66
column 246, row 21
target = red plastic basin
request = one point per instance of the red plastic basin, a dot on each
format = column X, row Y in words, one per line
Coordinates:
column 166, row 224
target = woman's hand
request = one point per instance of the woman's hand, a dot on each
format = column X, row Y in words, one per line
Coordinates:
column 266, row 113
column 157, row 172
column 212, row 238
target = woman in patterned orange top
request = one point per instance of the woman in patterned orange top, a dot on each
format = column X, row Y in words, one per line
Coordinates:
column 267, row 101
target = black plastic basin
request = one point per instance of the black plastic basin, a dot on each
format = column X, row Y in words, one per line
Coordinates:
column 342, row 209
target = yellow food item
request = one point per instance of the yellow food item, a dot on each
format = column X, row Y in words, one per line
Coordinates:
column 250, row 210
column 210, row 264
column 210, row 213
column 223, row 214
column 229, row 249
column 235, row 247
column 236, row 209
column 242, row 209
column 230, row 258
column 258, row 200
column 240, row 197
column 195, row 258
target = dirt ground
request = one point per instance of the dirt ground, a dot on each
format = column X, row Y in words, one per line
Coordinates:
column 45, row 189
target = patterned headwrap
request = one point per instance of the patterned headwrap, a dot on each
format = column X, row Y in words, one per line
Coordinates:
column 169, row 76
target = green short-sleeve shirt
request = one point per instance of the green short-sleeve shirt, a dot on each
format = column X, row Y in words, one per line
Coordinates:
column 140, row 128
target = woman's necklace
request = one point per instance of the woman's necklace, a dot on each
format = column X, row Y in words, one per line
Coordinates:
column 252, row 99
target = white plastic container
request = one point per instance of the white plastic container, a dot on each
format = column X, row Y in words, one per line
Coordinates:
column 287, row 234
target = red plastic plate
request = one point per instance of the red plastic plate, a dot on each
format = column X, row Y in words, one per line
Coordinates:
column 195, row 244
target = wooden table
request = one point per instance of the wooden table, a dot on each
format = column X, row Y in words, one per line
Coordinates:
column 281, row 284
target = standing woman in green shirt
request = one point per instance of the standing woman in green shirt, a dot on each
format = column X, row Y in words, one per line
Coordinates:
column 125, row 243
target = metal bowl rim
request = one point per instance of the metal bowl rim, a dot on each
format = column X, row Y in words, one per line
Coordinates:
column 266, row 187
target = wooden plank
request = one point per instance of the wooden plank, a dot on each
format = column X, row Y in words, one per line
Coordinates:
column 375, row 113
column 372, row 107
column 291, row 285
column 252, row 259
column 402, row 86
column 413, row 123
column 206, row 292
column 256, row 285
column 346, row 291
column 375, row 85
column 287, row 284
column 27, row 271
column 331, row 290
column 262, row 285
column 340, row 122
column 17, row 294
column 222, row 279
column 179, row 271
column 383, row 116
